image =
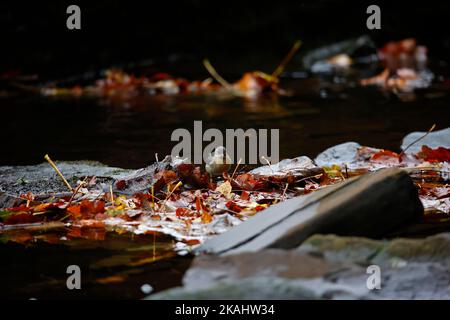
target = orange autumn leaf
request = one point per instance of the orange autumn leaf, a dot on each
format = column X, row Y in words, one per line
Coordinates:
column 206, row 217
column 192, row 242
column 86, row 209
column 198, row 205
column 182, row 212
column 74, row 211
column 231, row 205
column 244, row 195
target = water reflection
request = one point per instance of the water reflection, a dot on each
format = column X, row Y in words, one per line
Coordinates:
column 113, row 266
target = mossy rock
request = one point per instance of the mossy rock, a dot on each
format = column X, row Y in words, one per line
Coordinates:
column 336, row 248
column 381, row 252
column 41, row 178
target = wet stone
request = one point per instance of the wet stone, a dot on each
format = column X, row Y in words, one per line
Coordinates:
column 435, row 139
column 340, row 154
column 297, row 167
column 434, row 248
column 371, row 205
column 41, row 179
column 323, row 267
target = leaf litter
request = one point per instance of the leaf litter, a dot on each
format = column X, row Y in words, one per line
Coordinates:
column 181, row 200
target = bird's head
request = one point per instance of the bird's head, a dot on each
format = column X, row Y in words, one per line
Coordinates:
column 220, row 151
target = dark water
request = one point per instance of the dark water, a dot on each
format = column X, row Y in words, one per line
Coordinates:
column 115, row 266
column 128, row 132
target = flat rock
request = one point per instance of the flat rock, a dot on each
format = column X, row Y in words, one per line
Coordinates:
column 371, row 205
column 323, row 267
column 142, row 179
column 261, row 288
column 42, row 179
column 440, row 138
column 413, row 281
column 382, row 252
column 340, row 154
column 289, row 264
column 342, row 249
column 300, row 166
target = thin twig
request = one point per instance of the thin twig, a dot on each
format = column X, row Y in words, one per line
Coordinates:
column 286, row 59
column 284, row 191
column 215, row 75
column 317, row 176
column 46, row 157
column 173, row 190
column 235, row 169
column 268, row 162
column 417, row 140
column 170, row 194
column 111, row 193
column 64, row 218
column 76, row 190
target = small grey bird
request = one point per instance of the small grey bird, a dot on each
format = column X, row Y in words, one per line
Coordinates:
column 218, row 162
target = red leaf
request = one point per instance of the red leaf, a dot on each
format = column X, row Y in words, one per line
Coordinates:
column 248, row 181
column 385, row 156
column 233, row 206
column 21, row 208
column 121, row 184
column 439, row 154
column 22, row 218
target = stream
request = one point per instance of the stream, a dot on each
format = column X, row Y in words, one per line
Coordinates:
column 128, row 132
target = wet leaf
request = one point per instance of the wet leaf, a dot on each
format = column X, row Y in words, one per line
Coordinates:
column 435, row 155
column 224, row 189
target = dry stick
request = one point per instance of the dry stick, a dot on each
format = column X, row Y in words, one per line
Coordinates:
column 309, row 177
column 284, row 191
column 170, row 193
column 153, row 195
column 111, row 193
column 64, row 218
column 244, row 167
column 215, row 75
column 268, row 162
column 153, row 198
column 173, row 190
column 286, row 59
column 76, row 190
column 46, row 157
column 417, row 140
column 235, row 169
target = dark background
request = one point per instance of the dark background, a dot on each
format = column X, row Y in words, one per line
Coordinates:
column 237, row 35
column 173, row 36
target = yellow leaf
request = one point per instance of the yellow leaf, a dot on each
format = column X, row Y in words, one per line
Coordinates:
column 225, row 189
